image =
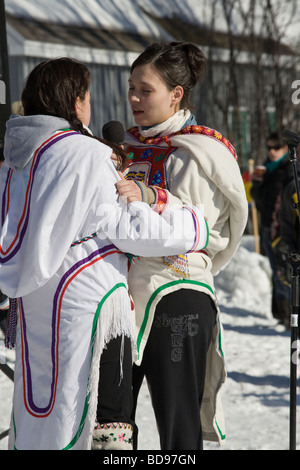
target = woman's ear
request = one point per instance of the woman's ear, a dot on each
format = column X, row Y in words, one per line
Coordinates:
column 177, row 94
column 77, row 105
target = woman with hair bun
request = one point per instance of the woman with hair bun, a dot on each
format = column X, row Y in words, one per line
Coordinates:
column 173, row 160
column 64, row 232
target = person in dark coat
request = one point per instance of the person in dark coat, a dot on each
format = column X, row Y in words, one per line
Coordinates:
column 267, row 193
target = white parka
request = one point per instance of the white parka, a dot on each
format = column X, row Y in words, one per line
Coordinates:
column 63, row 235
column 194, row 165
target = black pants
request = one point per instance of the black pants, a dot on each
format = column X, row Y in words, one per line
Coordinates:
column 3, row 314
column 174, row 364
column 3, row 320
column 115, row 383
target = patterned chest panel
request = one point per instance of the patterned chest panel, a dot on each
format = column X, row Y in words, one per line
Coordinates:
column 149, row 165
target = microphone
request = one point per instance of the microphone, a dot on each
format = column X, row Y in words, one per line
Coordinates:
column 113, row 131
column 291, row 138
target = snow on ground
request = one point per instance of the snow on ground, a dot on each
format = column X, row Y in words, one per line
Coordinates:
column 256, row 393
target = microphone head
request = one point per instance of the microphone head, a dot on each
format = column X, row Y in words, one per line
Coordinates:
column 113, row 131
column 291, row 138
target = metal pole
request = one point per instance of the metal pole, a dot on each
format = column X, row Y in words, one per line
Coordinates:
column 5, row 104
column 7, row 371
column 295, row 298
column 295, row 260
column 5, row 111
column 293, row 140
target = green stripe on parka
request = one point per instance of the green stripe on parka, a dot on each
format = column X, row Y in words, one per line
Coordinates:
column 155, row 293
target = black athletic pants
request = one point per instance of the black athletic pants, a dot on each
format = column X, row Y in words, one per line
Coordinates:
column 174, row 363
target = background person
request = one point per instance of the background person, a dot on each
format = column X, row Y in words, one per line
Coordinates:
column 285, row 233
column 267, row 192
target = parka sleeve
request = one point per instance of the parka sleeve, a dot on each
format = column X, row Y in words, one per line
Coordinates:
column 71, row 197
column 137, row 229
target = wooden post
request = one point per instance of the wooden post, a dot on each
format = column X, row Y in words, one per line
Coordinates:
column 254, row 211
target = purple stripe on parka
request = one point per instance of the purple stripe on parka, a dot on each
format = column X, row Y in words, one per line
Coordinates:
column 196, row 238
column 35, row 166
column 4, row 202
column 69, row 273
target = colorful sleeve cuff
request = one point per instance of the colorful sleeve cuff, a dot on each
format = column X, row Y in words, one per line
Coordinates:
column 161, row 199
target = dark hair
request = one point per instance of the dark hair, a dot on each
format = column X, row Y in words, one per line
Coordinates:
column 277, row 137
column 178, row 64
column 52, row 88
column 1, row 151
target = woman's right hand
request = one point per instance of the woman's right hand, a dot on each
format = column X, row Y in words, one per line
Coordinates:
column 128, row 190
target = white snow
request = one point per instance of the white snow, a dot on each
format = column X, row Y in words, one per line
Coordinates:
column 256, row 393
column 109, row 14
column 129, row 15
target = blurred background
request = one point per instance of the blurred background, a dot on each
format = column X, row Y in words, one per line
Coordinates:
column 252, row 47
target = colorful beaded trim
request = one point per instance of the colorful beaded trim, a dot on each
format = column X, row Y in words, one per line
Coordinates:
column 151, row 163
column 161, row 199
column 113, row 432
column 202, row 130
column 82, row 240
column 178, row 263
